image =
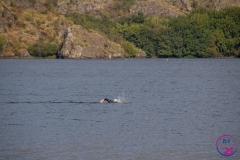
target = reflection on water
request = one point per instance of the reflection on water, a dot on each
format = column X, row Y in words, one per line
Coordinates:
column 170, row 110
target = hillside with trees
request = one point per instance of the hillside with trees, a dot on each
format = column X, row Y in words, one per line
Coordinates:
column 38, row 28
column 202, row 33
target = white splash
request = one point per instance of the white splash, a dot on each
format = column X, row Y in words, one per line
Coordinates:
column 121, row 99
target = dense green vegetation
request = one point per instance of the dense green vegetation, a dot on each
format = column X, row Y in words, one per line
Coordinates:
column 202, row 33
column 43, row 49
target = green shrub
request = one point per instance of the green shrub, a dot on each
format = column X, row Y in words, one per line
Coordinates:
column 32, row 1
column 50, row 49
column 43, row 49
column 129, row 49
column 3, row 41
column 194, row 4
column 29, row 14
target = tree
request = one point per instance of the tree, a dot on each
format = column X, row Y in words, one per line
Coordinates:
column 219, row 40
column 129, row 49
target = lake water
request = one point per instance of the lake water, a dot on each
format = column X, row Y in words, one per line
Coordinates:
column 49, row 109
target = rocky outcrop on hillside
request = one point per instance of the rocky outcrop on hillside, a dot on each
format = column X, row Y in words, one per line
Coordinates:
column 39, row 5
column 83, row 44
column 173, row 8
column 82, row 6
column 69, row 48
column 23, row 53
column 217, row 4
column 6, row 18
column 155, row 8
column 163, row 8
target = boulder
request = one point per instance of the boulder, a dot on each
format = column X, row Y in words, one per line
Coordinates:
column 23, row 53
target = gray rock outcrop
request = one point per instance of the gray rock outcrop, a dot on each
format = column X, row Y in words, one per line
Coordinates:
column 82, row 6
column 23, row 53
column 154, row 8
column 69, row 48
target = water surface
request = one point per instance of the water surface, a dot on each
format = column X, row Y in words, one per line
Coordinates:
column 170, row 110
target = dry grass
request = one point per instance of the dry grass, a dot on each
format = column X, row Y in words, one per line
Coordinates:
column 28, row 24
column 31, row 31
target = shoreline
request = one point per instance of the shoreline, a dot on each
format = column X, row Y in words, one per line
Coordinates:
column 35, row 58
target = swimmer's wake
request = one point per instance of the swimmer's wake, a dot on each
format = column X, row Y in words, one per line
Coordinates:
column 56, row 102
column 28, row 102
column 118, row 100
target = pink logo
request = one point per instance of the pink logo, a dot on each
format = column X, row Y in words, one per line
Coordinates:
column 226, row 145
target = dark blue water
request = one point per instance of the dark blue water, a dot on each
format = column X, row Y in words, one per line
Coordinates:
column 49, row 109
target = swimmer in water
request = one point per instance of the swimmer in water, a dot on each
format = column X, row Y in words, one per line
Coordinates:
column 108, row 100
